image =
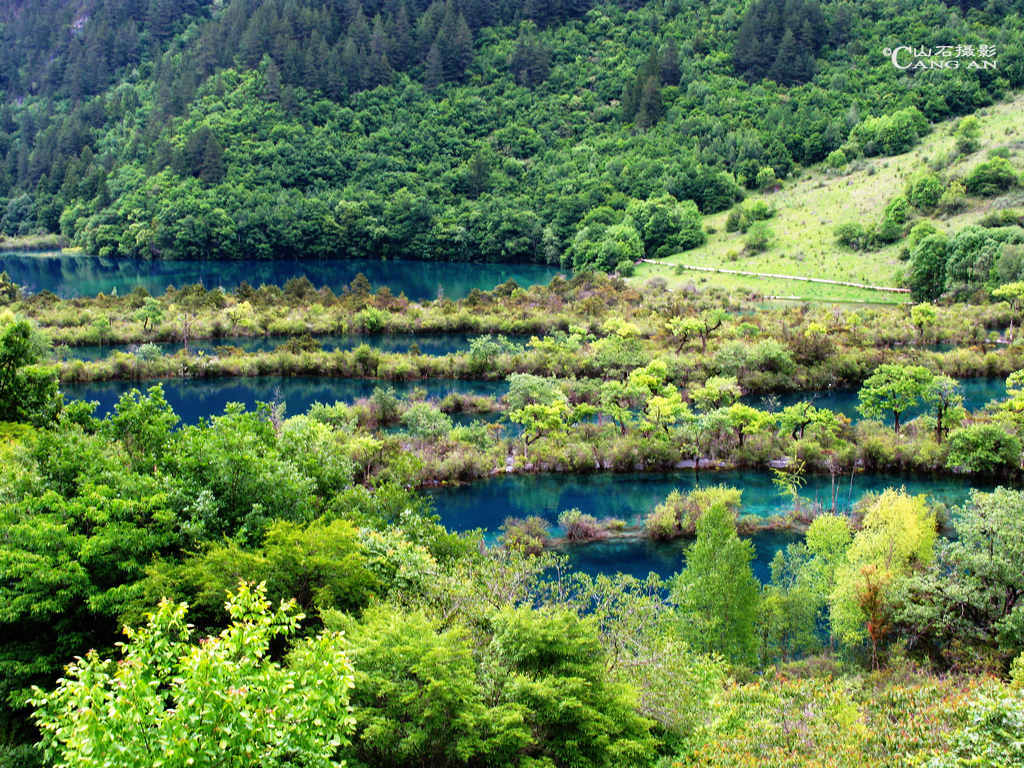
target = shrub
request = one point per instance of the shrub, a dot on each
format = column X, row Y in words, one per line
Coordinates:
column 852, row 235
column 928, row 268
column 890, row 134
column 836, row 159
column 663, row 522
column 735, row 221
column 679, row 513
column 759, row 238
column 923, row 191
column 580, row 527
column 967, row 134
column 766, row 178
column 983, row 448
column 529, row 535
column 954, row 199
column 991, row 178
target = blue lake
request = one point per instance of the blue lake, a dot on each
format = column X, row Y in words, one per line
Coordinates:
column 196, row 398
column 631, row 497
column 82, row 275
column 487, row 504
column 193, row 399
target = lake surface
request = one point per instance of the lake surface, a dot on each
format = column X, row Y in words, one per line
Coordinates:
column 193, row 399
column 81, row 275
column 196, row 398
column 488, row 503
column 631, row 497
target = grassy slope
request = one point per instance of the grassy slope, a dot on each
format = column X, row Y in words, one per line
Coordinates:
column 811, row 206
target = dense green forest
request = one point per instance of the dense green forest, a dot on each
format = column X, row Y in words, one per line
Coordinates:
column 449, row 131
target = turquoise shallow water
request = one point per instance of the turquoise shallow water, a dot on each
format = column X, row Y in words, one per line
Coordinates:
column 193, row 399
column 487, row 504
column 632, row 496
column 81, row 275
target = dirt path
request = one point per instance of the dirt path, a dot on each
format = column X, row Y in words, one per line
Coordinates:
column 780, row 277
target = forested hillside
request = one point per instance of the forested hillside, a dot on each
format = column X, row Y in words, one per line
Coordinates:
column 460, row 130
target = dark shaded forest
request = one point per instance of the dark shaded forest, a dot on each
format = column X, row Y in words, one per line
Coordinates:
column 515, row 131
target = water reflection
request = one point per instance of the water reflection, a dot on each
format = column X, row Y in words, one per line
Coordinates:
column 82, row 275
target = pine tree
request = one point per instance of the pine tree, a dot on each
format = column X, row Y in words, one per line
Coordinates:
column 212, row 167
column 271, row 80
column 359, row 30
column 352, row 66
column 378, row 71
column 160, row 19
column 650, row 108
column 401, row 46
column 462, row 47
column 787, row 66
column 670, row 73
column 433, row 75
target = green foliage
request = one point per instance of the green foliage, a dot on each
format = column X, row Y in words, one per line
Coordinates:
column 528, row 536
column 71, row 564
column 667, row 226
column 853, row 235
column 232, row 480
column 779, row 41
column 679, row 513
column 321, row 566
column 427, row 422
column 543, row 659
column 924, row 190
column 969, row 602
column 597, row 246
column 716, row 592
column 28, row 392
column 717, row 392
column 990, row 178
column 836, row 159
column 223, row 700
column 418, row 699
column 142, row 423
column 985, row 448
column 953, row 200
column 968, row 134
column 759, row 238
column 298, row 129
column 927, row 279
column 898, row 535
column 990, row 732
column 892, row 389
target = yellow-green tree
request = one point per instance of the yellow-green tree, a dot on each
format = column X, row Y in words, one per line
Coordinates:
column 897, row 537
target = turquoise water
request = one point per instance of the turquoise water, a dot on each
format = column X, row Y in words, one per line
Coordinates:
column 428, row 343
column 81, row 275
column 639, row 558
column 193, row 399
column 631, row 497
column 977, row 393
column 488, row 503
column 196, row 398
